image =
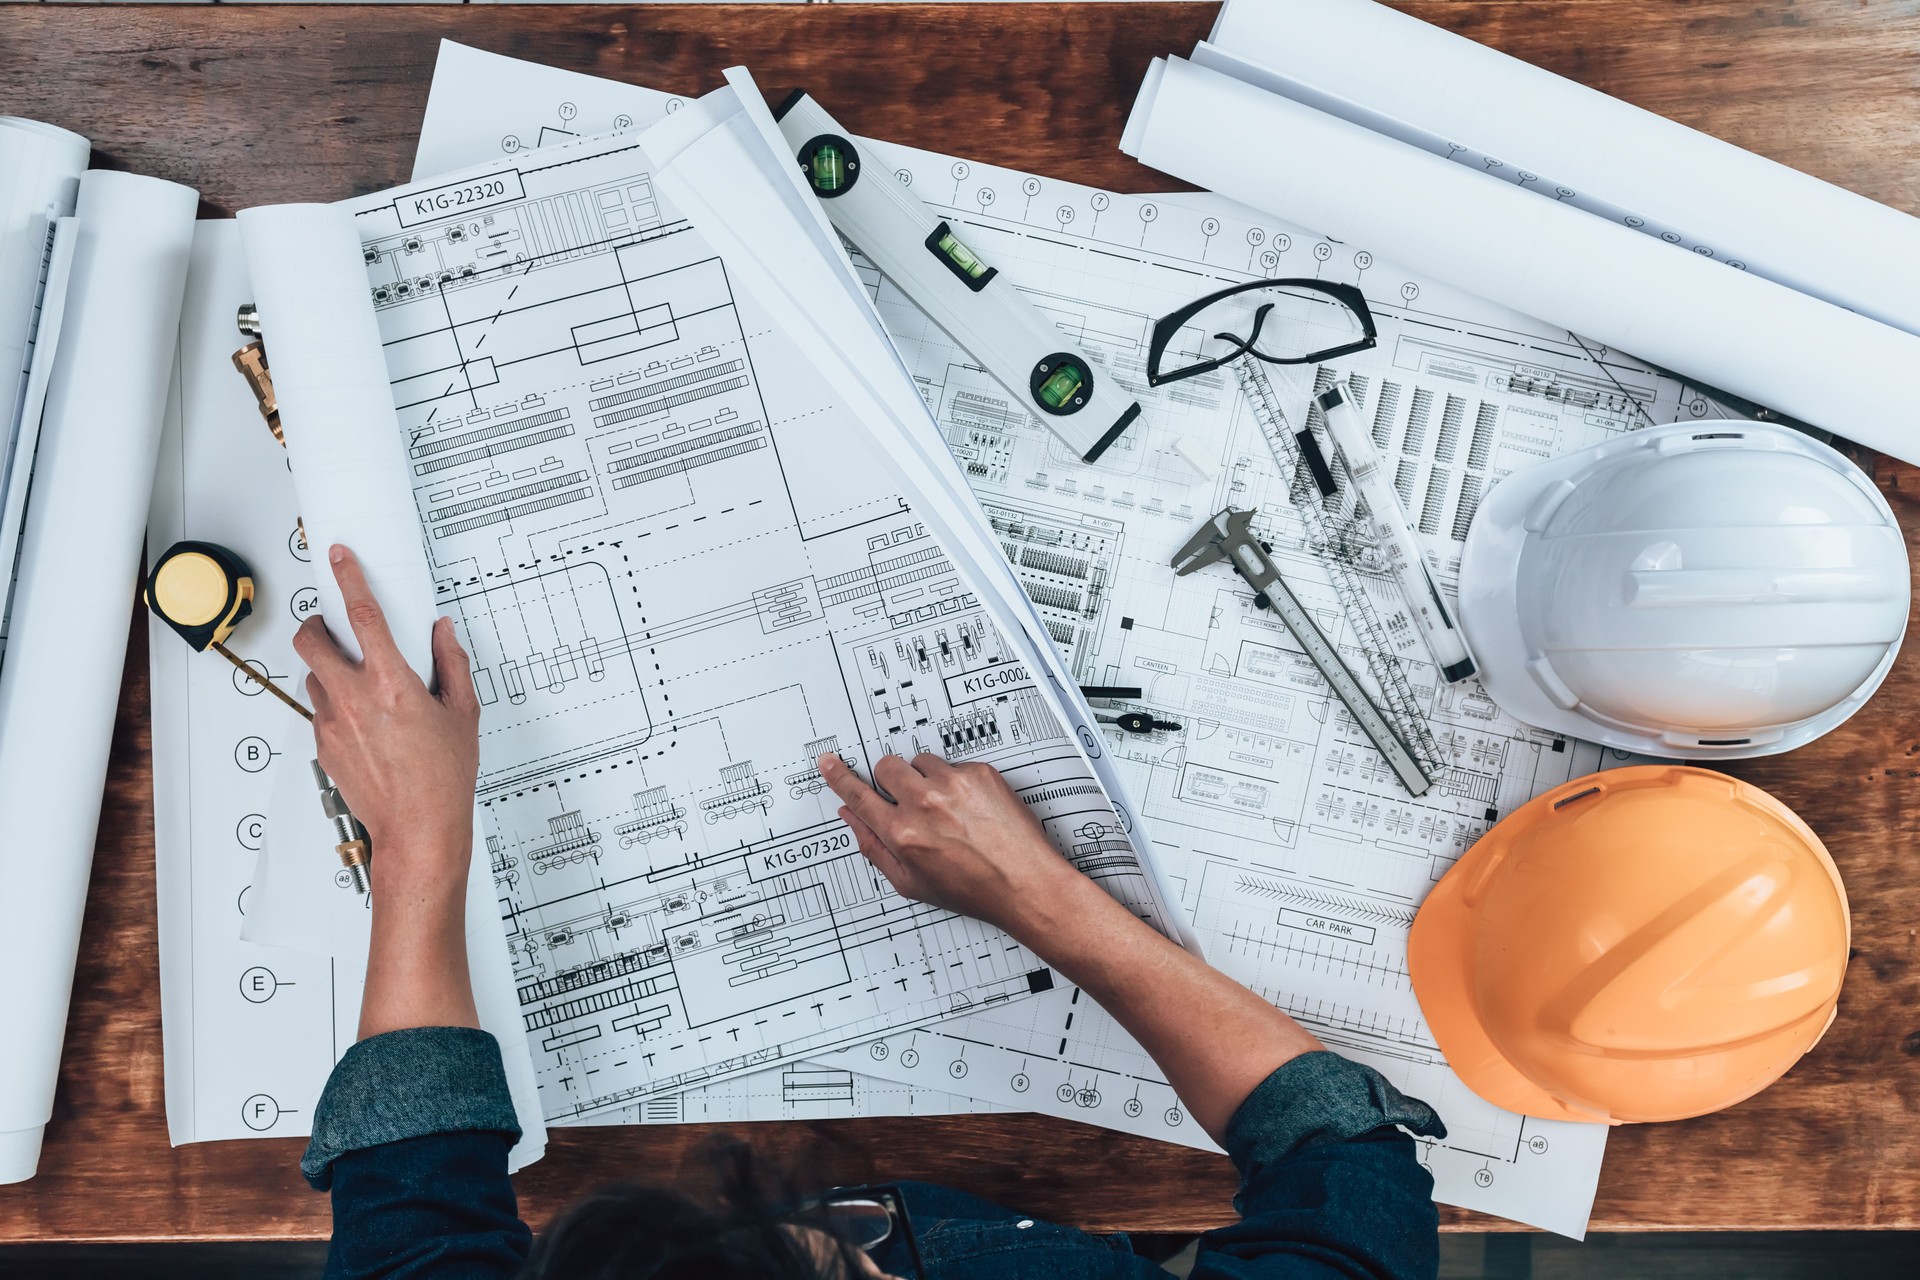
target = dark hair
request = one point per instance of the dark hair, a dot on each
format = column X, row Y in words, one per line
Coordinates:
column 739, row 1228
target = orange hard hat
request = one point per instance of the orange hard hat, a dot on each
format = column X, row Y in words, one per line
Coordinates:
column 1649, row 943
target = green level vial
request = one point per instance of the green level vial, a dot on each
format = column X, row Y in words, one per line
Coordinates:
column 961, row 256
column 953, row 254
column 831, row 164
column 1060, row 384
column 829, row 168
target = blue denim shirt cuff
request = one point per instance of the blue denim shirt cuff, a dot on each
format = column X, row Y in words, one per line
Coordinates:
column 1319, row 1097
column 408, row 1084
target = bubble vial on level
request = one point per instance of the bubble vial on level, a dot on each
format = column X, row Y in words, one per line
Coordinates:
column 963, row 258
column 829, row 168
column 1061, row 386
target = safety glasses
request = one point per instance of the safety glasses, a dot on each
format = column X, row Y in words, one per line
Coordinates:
column 1278, row 321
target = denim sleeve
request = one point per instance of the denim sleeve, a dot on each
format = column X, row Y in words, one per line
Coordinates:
column 1329, row 1185
column 411, row 1135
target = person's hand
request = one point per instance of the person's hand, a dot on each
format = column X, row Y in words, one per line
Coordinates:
column 404, row 758
column 955, row 836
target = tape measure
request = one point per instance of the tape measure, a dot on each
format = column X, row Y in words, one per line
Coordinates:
column 203, row 592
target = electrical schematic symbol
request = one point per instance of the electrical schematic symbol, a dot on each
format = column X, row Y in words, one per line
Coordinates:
column 655, row 816
column 740, row 792
column 569, row 839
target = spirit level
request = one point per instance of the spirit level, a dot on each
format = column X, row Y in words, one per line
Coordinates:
column 955, row 284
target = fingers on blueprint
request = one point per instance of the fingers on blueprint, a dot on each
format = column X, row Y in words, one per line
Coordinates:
column 453, row 670
column 318, row 650
column 861, row 807
column 955, row 836
column 364, row 613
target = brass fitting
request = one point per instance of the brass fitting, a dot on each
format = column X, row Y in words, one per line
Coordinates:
column 353, row 856
column 251, row 361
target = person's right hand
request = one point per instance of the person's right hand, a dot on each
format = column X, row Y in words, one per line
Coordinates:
column 955, row 836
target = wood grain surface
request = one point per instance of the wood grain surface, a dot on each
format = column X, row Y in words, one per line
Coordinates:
column 274, row 103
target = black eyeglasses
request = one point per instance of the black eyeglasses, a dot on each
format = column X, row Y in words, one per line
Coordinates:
column 870, row 1218
column 1278, row 321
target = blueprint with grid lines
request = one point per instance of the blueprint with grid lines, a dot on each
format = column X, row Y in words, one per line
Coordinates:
column 682, row 577
column 1294, row 847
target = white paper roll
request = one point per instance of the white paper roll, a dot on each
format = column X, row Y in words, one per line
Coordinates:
column 1446, row 93
column 80, row 558
column 40, row 168
column 351, row 479
column 1728, row 328
column 336, row 408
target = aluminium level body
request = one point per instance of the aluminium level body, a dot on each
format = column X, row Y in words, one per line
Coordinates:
column 964, row 293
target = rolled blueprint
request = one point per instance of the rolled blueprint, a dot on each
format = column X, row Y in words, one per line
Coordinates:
column 350, row 479
column 336, row 408
column 1728, row 328
column 79, row 562
column 40, row 168
column 1445, row 93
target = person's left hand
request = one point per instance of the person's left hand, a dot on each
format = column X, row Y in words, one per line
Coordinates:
column 404, row 757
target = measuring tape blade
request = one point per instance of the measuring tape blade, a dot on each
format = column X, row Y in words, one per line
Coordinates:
column 1044, row 371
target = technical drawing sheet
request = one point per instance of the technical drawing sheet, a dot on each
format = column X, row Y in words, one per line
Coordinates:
column 682, row 577
column 1300, row 857
column 482, row 105
column 823, row 1088
column 252, row 1030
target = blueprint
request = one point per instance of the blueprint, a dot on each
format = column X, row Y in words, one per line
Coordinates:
column 826, row 1088
column 252, row 1030
column 682, row 577
column 1299, row 856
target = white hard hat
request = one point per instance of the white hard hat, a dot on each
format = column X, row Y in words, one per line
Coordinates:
column 1702, row 591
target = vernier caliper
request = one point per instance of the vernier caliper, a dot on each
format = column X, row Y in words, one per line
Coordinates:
column 1229, row 537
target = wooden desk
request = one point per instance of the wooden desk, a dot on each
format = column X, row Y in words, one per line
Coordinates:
column 254, row 105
